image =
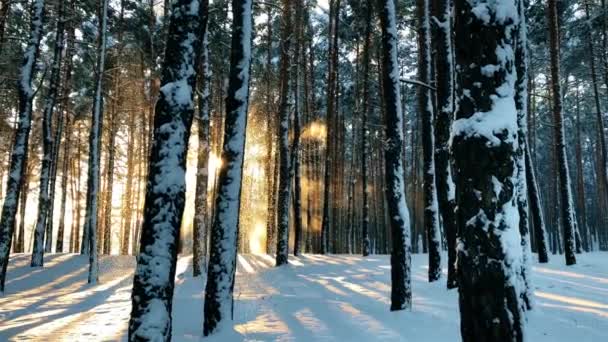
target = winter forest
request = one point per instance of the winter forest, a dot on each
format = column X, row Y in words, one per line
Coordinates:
column 303, row 170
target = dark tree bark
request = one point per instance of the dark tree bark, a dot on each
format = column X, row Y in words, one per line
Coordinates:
column 332, row 88
column 153, row 284
column 269, row 169
column 296, row 153
column 224, row 232
column 580, row 177
column 484, row 146
column 536, row 210
column 444, row 76
column 401, row 293
column 20, row 146
column 201, row 222
column 284, row 155
column 426, row 112
column 566, row 202
column 365, row 109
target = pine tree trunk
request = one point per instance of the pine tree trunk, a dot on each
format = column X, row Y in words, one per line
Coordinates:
column 270, row 128
column 25, row 191
column 20, row 146
column 201, row 222
column 484, row 146
column 401, row 293
column 444, row 76
column 580, row 177
column 521, row 106
column 93, row 171
column 153, row 284
column 567, row 209
column 284, row 156
column 297, row 153
column 365, row 110
column 536, row 210
column 426, row 112
column 107, row 213
column 334, row 13
column 59, row 129
column 224, row 232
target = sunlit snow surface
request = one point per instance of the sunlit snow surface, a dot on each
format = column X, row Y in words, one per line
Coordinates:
column 315, row 298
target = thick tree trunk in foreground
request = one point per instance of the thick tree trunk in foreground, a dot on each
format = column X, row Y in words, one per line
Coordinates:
column 224, row 232
column 444, row 75
column 401, row 292
column 20, row 146
column 566, row 202
column 284, row 156
column 425, row 110
column 484, row 144
column 153, row 284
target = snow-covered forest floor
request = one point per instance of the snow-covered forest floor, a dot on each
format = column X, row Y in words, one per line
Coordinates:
column 315, row 298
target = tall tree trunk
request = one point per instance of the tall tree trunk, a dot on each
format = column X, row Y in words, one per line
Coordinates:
column 20, row 146
column 224, row 233
column 61, row 124
column 444, row 76
column 154, row 280
column 401, row 292
column 484, row 145
column 93, row 173
column 332, row 76
column 580, row 177
column 64, row 181
column 284, row 156
column 107, row 213
column 201, row 222
column 567, row 209
column 270, row 129
column 426, row 112
column 521, row 106
column 365, row 110
column 296, row 153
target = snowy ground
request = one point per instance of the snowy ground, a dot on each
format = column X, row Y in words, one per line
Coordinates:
column 316, row 298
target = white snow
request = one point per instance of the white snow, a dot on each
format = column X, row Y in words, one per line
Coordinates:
column 315, row 298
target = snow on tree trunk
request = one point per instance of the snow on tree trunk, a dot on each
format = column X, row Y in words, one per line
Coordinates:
column 90, row 219
column 200, row 226
column 425, row 110
column 485, row 143
column 401, row 292
column 20, row 145
column 284, row 156
column 566, row 201
column 521, row 105
column 444, row 75
column 224, row 232
column 47, row 148
column 153, row 283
